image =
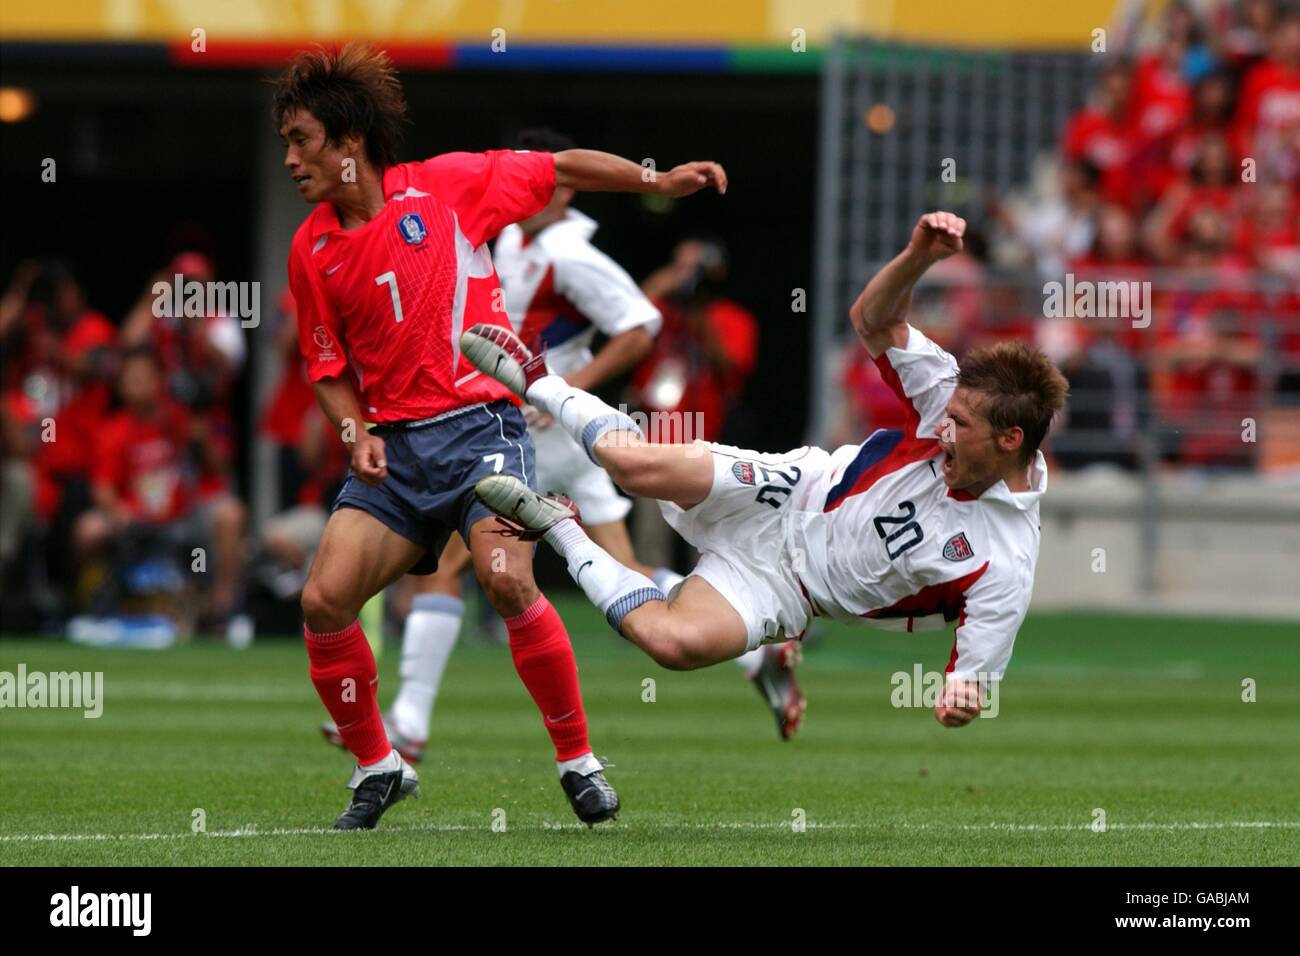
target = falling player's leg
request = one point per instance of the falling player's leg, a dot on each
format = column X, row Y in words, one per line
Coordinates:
column 543, row 658
column 428, row 638
column 697, row 628
column 358, row 557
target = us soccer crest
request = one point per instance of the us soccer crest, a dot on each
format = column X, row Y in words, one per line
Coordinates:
column 744, row 472
column 411, row 226
column 957, row 548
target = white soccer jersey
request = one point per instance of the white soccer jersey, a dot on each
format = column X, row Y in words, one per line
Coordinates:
column 560, row 290
column 877, row 537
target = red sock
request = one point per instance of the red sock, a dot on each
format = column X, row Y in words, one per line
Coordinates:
column 343, row 670
column 544, row 659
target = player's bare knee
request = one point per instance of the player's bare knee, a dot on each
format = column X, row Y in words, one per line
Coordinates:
column 669, row 642
column 323, row 609
column 510, row 590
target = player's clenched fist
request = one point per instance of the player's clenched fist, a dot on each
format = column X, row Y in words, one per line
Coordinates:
column 368, row 460
column 959, row 705
column 692, row 177
column 938, row 235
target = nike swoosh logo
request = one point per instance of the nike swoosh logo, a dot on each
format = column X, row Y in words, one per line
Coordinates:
column 333, row 269
column 556, row 720
column 578, row 573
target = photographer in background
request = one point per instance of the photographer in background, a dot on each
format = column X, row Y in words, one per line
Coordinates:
column 708, row 347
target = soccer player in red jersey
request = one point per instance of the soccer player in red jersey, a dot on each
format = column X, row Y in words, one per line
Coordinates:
column 387, row 271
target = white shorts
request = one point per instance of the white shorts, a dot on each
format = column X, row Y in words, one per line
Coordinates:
column 563, row 466
column 740, row 531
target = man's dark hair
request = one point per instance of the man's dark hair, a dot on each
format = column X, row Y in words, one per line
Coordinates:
column 544, row 140
column 354, row 90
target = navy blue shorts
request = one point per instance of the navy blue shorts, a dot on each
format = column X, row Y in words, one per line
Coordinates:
column 432, row 468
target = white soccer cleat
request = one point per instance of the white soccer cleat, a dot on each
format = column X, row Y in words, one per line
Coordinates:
column 525, row 513
column 500, row 354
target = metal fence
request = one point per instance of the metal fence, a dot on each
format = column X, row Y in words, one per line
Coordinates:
column 897, row 123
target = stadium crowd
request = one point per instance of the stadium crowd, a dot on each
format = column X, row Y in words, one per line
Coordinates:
column 118, row 449
column 119, row 452
column 1183, row 170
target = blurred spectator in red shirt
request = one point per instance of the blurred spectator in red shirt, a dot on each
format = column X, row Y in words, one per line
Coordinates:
column 707, row 349
column 1268, row 113
column 1212, row 117
column 1115, row 255
column 147, row 461
column 1206, row 369
column 1212, row 184
column 1271, row 229
column 1101, row 133
column 58, row 360
column 201, row 357
column 1162, row 95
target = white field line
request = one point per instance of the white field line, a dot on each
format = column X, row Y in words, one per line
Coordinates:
column 252, row 831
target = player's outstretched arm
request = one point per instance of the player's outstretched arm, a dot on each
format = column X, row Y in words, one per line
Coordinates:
column 589, row 170
column 621, row 353
column 879, row 315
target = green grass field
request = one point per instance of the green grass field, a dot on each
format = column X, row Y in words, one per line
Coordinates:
column 1142, row 718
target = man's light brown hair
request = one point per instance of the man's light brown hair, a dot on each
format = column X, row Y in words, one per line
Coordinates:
column 352, row 90
column 1021, row 388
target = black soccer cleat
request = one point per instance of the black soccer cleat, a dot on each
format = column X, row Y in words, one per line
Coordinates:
column 374, row 793
column 591, row 796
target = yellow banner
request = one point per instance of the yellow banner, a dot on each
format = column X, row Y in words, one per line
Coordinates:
column 983, row 23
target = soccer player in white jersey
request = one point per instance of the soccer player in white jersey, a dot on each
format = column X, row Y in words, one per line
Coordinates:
column 934, row 523
column 559, row 291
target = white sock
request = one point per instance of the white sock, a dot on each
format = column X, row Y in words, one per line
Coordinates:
column 585, row 764
column 751, row 661
column 581, row 414
column 387, row 765
column 427, row 642
column 612, row 587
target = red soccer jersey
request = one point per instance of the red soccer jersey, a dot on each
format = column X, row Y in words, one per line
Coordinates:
column 389, row 299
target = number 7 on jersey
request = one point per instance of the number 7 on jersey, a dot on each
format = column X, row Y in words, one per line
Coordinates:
column 391, row 278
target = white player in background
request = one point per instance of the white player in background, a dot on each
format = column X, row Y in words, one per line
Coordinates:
column 560, row 291
column 931, row 524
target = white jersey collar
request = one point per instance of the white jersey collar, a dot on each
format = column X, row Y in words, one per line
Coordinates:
column 573, row 220
column 1022, row 500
